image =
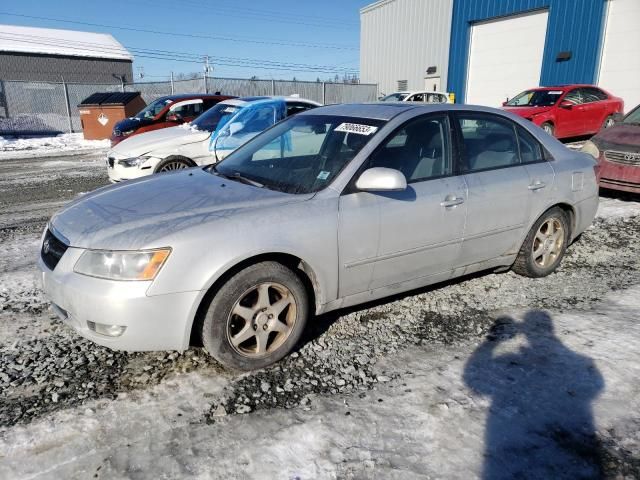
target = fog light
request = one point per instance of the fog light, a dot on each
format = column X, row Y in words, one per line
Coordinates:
column 107, row 330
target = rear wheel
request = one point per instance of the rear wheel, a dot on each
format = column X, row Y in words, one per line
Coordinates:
column 544, row 246
column 608, row 122
column 256, row 317
column 548, row 127
column 172, row 163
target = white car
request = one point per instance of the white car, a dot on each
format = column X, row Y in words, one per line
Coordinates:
column 207, row 139
column 423, row 96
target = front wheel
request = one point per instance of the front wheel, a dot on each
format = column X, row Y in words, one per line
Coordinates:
column 171, row 164
column 257, row 317
column 544, row 246
column 548, row 127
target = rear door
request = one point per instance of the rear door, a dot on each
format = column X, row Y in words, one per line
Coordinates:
column 570, row 119
column 498, row 186
column 416, row 233
column 596, row 108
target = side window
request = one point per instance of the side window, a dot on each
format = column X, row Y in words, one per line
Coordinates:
column 488, row 142
column 574, row 96
column 188, row 110
column 293, row 108
column 593, row 95
column 530, row 149
column 418, row 97
column 420, row 149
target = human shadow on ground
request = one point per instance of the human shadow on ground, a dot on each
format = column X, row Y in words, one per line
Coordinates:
column 540, row 423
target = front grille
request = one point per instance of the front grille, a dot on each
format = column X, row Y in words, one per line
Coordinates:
column 52, row 250
column 620, row 183
column 111, row 161
column 626, row 158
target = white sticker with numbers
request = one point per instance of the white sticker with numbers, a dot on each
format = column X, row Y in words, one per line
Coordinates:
column 356, row 128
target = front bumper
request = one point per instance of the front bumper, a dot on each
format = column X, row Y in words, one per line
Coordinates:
column 119, row 173
column 158, row 322
column 617, row 176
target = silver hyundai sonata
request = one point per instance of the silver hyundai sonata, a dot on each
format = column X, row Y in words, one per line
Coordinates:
column 333, row 207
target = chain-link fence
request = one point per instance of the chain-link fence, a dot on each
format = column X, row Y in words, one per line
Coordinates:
column 43, row 107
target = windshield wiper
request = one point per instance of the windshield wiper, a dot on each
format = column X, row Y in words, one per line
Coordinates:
column 236, row 176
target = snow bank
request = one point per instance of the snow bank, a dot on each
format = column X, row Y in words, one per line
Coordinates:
column 67, row 143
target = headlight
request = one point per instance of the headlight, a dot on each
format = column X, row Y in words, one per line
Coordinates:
column 122, row 265
column 134, row 161
column 591, row 148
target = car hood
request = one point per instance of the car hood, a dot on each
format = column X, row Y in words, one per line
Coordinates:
column 131, row 123
column 158, row 139
column 144, row 213
column 625, row 136
column 527, row 111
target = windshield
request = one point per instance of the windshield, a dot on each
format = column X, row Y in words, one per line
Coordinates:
column 536, row 98
column 394, row 97
column 633, row 117
column 210, row 119
column 153, row 109
column 302, row 154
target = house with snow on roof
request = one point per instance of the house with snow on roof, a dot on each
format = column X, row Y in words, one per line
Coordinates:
column 52, row 55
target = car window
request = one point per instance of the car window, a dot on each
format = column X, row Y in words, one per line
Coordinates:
column 298, row 107
column 418, row 97
column 488, row 142
column 592, row 94
column 420, row 149
column 435, row 98
column 189, row 110
column 530, row 148
column 574, row 96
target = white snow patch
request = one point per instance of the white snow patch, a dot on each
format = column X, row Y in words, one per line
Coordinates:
column 67, row 143
column 614, row 208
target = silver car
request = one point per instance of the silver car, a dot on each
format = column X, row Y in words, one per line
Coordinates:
column 333, row 207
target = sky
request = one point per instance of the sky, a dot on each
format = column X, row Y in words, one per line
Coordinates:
column 279, row 39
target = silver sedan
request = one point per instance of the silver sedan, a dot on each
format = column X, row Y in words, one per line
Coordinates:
column 333, row 207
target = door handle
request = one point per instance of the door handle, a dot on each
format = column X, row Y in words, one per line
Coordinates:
column 451, row 201
column 537, row 185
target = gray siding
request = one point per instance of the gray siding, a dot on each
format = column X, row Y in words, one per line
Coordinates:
column 51, row 68
column 400, row 39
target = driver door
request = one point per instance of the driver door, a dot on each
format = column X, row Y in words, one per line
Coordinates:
column 389, row 238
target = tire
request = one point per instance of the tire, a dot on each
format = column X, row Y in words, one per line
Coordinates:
column 608, row 122
column 243, row 328
column 542, row 250
column 549, row 128
column 173, row 163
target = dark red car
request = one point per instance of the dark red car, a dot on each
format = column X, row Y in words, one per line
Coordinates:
column 618, row 152
column 165, row 112
column 569, row 110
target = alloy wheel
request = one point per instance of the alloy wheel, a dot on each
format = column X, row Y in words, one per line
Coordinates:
column 261, row 320
column 170, row 166
column 548, row 243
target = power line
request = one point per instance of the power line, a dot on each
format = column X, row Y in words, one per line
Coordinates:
column 189, row 35
column 177, row 56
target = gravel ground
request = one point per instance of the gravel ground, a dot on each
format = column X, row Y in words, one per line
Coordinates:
column 46, row 368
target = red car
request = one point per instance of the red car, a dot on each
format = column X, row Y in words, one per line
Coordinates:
column 568, row 111
column 618, row 152
column 165, row 112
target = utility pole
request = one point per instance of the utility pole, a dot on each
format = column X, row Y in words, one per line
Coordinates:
column 207, row 68
column 172, row 83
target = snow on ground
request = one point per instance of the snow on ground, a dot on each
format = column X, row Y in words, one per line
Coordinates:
column 63, row 144
column 525, row 402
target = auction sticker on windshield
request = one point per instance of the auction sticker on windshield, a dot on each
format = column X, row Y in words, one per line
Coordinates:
column 356, row 128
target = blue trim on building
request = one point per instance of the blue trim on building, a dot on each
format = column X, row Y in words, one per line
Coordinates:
column 573, row 25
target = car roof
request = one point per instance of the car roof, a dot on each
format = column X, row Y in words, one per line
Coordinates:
column 565, row 87
column 246, row 100
column 188, row 96
column 411, row 92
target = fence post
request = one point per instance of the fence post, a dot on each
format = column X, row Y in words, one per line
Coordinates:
column 204, row 79
column 67, row 103
column 324, row 93
column 171, row 83
column 273, row 87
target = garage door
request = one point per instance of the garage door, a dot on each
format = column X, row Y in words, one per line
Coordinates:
column 505, row 57
column 620, row 64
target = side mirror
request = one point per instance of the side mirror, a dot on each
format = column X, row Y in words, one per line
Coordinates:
column 566, row 104
column 504, row 104
column 380, row 179
column 174, row 117
column 235, row 127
